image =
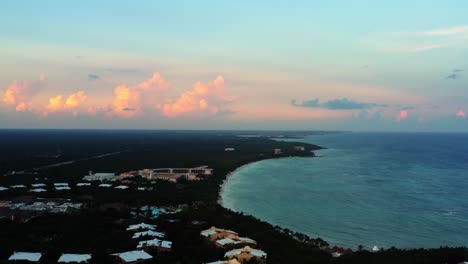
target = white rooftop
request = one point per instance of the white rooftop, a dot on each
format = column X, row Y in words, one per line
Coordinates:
column 148, row 233
column 3, row 188
column 122, row 187
column 60, row 184
column 141, row 226
column 83, row 184
column 18, row 186
column 132, row 256
column 60, row 188
column 75, row 258
column 38, row 185
column 26, row 256
column 38, row 190
column 247, row 249
column 155, row 242
column 106, row 185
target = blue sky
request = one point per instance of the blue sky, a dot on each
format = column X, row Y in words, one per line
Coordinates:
column 234, row 64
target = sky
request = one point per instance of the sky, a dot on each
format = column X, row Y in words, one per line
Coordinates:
column 284, row 65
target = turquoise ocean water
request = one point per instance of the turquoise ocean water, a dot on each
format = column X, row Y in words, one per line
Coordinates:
column 406, row 190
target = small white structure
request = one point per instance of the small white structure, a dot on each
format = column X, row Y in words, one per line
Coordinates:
column 62, row 188
column 148, row 233
column 3, row 188
column 105, row 185
column 35, row 185
column 375, row 249
column 74, row 258
column 229, row 149
column 141, row 226
column 18, row 186
column 81, row 184
column 60, row 184
column 26, row 256
column 38, row 190
column 121, row 187
column 132, row 256
column 141, row 188
column 155, row 243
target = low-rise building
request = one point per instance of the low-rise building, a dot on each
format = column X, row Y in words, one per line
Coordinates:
column 160, row 245
column 74, row 258
column 246, row 253
column 135, row 256
column 38, row 190
column 149, row 233
column 25, row 256
column 105, row 176
column 3, row 188
column 141, row 226
column 229, row 149
column 277, row 151
column 214, row 233
column 299, row 148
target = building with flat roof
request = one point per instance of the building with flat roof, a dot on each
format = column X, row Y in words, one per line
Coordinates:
column 25, row 256
column 75, row 258
column 132, row 256
column 104, row 176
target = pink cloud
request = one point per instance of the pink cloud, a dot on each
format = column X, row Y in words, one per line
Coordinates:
column 403, row 114
column 461, row 114
column 71, row 103
column 146, row 96
column 20, row 93
column 208, row 98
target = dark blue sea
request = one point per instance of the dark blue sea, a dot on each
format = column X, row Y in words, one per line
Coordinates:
column 407, row 190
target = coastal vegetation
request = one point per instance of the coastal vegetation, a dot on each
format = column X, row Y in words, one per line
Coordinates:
column 99, row 227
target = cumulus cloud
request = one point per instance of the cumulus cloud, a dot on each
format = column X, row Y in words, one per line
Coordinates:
column 59, row 103
column 202, row 98
column 403, row 114
column 20, row 93
column 145, row 96
column 461, row 114
column 337, row 104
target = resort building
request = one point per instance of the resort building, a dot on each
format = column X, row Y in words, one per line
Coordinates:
column 245, row 254
column 35, row 185
column 223, row 237
column 75, row 258
column 141, row 226
column 174, row 174
column 277, row 151
column 38, row 190
column 25, row 256
column 81, row 184
column 99, row 176
column 132, row 256
column 160, row 245
column 149, row 233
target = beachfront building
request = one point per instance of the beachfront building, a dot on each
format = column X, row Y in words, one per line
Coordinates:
column 175, row 174
column 106, row 176
column 75, row 258
column 246, row 253
column 25, row 256
column 135, row 256
column 277, row 151
column 223, row 237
